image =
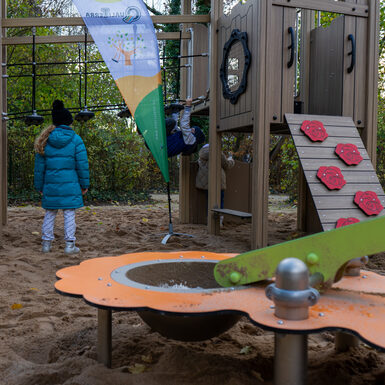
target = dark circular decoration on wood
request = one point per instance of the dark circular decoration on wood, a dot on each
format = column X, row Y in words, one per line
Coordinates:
column 349, row 153
column 346, row 221
column 368, row 202
column 314, row 130
column 331, row 177
column 233, row 71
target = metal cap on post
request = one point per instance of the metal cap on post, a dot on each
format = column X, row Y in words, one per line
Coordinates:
column 292, row 297
column 291, row 292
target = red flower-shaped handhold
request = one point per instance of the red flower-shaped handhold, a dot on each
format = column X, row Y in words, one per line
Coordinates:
column 348, row 153
column 331, row 177
column 368, row 202
column 315, row 130
column 346, row 221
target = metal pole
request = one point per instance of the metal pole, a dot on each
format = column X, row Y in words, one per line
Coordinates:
column 80, row 76
column 33, row 69
column 164, row 74
column 169, row 207
column 85, row 68
column 292, row 297
column 104, row 345
column 290, row 362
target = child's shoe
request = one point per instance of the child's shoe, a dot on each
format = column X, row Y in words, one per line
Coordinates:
column 70, row 248
column 46, row 246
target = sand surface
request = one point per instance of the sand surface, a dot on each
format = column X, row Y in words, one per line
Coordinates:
column 47, row 338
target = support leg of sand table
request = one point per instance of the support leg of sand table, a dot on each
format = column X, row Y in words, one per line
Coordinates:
column 292, row 297
column 343, row 341
column 104, row 345
column 290, row 361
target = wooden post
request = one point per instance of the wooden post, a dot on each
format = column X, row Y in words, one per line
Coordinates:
column 261, row 136
column 184, row 166
column 3, row 125
column 214, row 191
column 307, row 24
column 370, row 135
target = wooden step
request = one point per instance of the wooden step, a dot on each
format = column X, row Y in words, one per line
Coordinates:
column 235, row 213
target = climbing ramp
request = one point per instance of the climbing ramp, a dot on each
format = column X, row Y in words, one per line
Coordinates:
column 340, row 175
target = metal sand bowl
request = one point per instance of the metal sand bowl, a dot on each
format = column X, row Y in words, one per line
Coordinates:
column 175, row 294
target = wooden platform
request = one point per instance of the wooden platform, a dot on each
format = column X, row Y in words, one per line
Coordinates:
column 334, row 204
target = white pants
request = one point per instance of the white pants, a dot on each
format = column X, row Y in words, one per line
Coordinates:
column 49, row 224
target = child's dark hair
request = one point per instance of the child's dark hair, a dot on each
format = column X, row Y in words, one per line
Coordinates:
column 170, row 124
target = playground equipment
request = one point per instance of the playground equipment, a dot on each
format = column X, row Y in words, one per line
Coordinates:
column 334, row 80
column 175, row 292
column 330, row 74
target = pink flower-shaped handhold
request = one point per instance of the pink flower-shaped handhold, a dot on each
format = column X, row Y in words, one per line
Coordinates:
column 349, row 153
column 331, row 177
column 315, row 130
column 368, row 202
column 346, row 221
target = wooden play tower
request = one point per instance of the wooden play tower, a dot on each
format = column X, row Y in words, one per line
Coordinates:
column 294, row 66
column 267, row 58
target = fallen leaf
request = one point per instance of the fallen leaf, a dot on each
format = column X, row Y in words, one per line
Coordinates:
column 147, row 359
column 257, row 375
column 144, row 220
column 16, row 306
column 137, row 368
column 33, row 288
column 100, row 223
column 245, row 350
column 87, row 208
column 35, row 233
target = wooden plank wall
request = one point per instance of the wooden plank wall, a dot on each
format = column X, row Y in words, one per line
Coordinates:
column 280, row 78
column 334, row 90
column 326, row 69
column 244, row 18
column 200, row 75
column 334, row 204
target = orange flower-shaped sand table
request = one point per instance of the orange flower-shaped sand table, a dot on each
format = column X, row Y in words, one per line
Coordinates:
column 182, row 283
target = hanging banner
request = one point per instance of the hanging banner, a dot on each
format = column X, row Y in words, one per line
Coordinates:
column 124, row 34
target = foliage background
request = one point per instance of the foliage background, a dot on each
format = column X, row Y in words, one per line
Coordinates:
column 122, row 169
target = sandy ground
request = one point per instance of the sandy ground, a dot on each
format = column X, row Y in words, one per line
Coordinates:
column 47, row 338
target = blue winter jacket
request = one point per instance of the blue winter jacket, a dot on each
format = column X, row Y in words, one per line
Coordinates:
column 62, row 171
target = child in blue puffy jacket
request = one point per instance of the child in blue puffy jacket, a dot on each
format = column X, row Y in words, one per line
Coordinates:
column 61, row 176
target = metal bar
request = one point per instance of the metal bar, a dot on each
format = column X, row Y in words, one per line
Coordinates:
column 80, row 76
column 164, row 76
column 178, row 67
column 51, row 63
column 78, row 21
column 58, row 74
column 85, row 68
column 33, row 69
column 18, row 40
column 290, row 359
column 48, row 111
column 327, row 5
column 104, row 344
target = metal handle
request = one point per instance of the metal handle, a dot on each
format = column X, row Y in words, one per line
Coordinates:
column 291, row 47
column 353, row 53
